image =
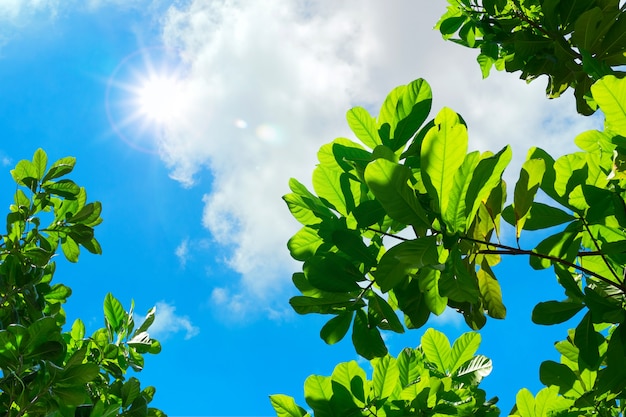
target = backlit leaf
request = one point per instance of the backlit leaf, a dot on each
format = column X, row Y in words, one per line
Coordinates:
column 463, row 349
column 286, row 406
column 610, row 94
column 385, row 376
column 389, row 182
column 443, row 152
column 364, row 126
column 436, row 347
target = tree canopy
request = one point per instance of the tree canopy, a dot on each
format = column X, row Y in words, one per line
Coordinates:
column 403, row 222
column 46, row 370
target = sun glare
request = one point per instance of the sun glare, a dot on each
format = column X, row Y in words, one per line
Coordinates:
column 145, row 97
column 159, row 99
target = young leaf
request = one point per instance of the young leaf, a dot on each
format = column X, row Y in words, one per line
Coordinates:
column 40, row 161
column 436, row 347
column 443, row 153
column 114, row 312
column 286, row 406
column 385, row 377
column 364, row 126
column 463, row 349
column 610, row 94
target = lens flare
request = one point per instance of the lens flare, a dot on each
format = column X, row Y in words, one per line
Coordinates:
column 145, row 97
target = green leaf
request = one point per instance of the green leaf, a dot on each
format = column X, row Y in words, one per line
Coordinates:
column 147, row 322
column 412, row 110
column 130, row 391
column 487, row 176
column 540, row 216
column 385, row 316
column 304, row 243
column 366, row 339
column 455, row 215
column 555, row 312
column 331, row 272
column 351, row 243
column 60, row 168
column 463, row 349
column 586, row 339
column 337, row 327
column 114, row 312
column 351, row 377
column 25, row 173
column 443, row 152
column 385, row 377
column 334, row 186
column 473, row 371
column 563, row 245
column 64, row 188
column 429, row 285
column 305, row 207
column 70, row 249
column 552, row 373
column 525, row 190
column 610, row 94
column 79, row 374
column 317, row 394
column 286, row 406
column 40, row 161
column 458, row 282
column 389, row 182
column 525, row 403
column 364, row 126
column 491, row 293
column 403, row 258
column 436, row 347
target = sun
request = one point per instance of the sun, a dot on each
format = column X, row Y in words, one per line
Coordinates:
column 146, row 97
column 159, row 98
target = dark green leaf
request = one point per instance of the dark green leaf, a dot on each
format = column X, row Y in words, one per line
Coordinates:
column 366, row 338
column 554, row 312
column 336, row 328
column 331, row 272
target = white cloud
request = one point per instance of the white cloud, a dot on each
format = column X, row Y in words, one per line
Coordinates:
column 167, row 322
column 293, row 69
column 182, row 252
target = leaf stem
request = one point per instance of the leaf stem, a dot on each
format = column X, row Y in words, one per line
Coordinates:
column 508, row 250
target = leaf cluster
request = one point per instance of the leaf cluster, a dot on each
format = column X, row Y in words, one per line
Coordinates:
column 572, row 42
column 413, row 226
column 434, row 379
column 47, row 371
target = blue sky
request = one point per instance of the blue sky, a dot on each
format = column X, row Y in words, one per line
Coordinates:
column 193, row 220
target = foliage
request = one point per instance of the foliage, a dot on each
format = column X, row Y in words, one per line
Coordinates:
column 573, row 42
column 408, row 221
column 434, row 378
column 47, row 371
